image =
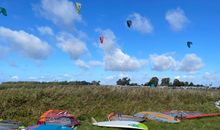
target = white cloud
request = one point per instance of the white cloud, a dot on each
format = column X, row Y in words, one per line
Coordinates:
column 210, row 76
column 163, row 62
column 140, row 23
column 119, row 61
column 111, row 77
column 114, row 58
column 177, row 19
column 60, row 12
column 15, row 77
column 82, row 64
column 191, row 63
column 45, row 30
column 26, row 43
column 72, row 45
column 95, row 63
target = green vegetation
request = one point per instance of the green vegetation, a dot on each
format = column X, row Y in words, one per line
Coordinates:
column 27, row 102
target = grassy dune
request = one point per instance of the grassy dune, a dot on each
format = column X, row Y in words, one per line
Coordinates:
column 26, row 104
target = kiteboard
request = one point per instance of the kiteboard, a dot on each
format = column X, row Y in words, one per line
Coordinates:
column 157, row 116
column 121, row 124
column 49, row 127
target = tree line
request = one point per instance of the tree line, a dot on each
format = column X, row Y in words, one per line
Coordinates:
column 154, row 82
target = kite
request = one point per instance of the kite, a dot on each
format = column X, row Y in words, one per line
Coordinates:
column 3, row 11
column 78, row 7
column 189, row 44
column 101, row 39
column 129, row 23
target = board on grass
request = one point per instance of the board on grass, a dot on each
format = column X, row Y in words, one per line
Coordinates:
column 121, row 124
column 217, row 104
column 157, row 116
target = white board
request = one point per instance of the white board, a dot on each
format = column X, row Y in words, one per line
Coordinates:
column 217, row 104
column 122, row 124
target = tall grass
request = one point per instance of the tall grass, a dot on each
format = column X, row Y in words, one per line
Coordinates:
column 26, row 104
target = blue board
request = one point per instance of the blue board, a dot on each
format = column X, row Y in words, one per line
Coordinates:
column 49, row 127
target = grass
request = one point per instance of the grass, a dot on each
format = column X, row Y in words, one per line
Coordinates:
column 26, row 104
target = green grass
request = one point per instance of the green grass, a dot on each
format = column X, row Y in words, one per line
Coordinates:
column 26, row 104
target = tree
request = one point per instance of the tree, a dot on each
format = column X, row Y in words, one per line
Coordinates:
column 186, row 83
column 176, row 82
column 153, row 81
column 96, row 83
column 165, row 82
column 123, row 81
column 191, row 84
column 133, row 84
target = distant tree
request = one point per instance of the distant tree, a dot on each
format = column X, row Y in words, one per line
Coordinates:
column 191, row 84
column 133, row 84
column 95, row 82
column 186, row 83
column 165, row 82
column 176, row 83
column 153, row 81
column 123, row 81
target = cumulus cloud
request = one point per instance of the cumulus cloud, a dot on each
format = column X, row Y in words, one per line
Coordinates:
column 119, row 61
column 177, row 19
column 210, row 76
column 95, row 63
column 114, row 58
column 191, row 63
column 140, row 23
column 45, row 30
column 15, row 77
column 82, row 64
column 163, row 62
column 71, row 45
column 60, row 12
column 26, row 43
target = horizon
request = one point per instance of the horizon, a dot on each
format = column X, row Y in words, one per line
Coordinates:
column 45, row 40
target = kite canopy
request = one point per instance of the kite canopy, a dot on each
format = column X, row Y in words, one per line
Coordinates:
column 129, row 23
column 189, row 44
column 118, row 116
column 78, row 7
column 3, row 11
column 190, row 115
column 101, row 39
column 58, row 117
column 157, row 116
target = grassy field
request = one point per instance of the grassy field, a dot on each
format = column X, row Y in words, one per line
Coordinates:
column 25, row 104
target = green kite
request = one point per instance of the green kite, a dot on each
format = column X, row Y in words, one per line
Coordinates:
column 3, row 11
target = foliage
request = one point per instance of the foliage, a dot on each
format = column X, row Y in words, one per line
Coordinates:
column 153, row 82
column 123, row 81
column 165, row 82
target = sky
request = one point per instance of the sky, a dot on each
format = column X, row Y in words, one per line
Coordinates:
column 47, row 40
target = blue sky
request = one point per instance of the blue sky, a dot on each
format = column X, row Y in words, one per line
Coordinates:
column 46, row 40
